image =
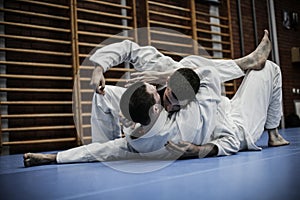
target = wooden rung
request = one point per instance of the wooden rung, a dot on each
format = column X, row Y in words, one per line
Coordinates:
column 35, row 102
column 35, row 39
column 87, row 102
column 117, row 69
column 90, row 44
column 175, row 53
column 169, row 6
column 172, row 43
column 96, row 12
column 104, row 24
column 59, row 78
column 86, row 126
column 46, row 4
column 36, row 27
column 105, row 35
column 212, row 49
column 27, row 142
column 106, row 80
column 213, row 41
column 170, row 34
column 51, row 65
column 35, row 90
column 46, row 115
column 38, row 128
column 35, row 14
column 229, row 84
column 230, row 92
column 37, row 51
column 170, row 24
column 86, row 114
column 169, row 15
column 212, row 32
column 87, row 137
column 209, row 15
column 108, row 4
column 212, row 24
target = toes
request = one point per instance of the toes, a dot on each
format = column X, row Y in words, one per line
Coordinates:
column 266, row 32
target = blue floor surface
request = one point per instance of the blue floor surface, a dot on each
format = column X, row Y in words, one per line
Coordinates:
column 273, row 173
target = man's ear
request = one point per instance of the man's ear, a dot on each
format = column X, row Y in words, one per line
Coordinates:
column 156, row 108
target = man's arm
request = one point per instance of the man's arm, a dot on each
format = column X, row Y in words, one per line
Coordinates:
column 188, row 150
column 142, row 58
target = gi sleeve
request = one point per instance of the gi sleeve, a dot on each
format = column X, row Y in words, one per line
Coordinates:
column 142, row 58
column 117, row 149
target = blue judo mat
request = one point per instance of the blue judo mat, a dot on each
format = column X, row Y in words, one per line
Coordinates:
column 273, row 173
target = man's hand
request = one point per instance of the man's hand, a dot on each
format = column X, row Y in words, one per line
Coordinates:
column 98, row 80
column 189, row 150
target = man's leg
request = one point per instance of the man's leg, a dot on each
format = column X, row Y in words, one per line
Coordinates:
column 257, row 104
column 257, row 59
column 233, row 69
column 105, row 114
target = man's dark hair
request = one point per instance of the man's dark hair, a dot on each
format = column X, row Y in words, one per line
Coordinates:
column 184, row 84
column 136, row 103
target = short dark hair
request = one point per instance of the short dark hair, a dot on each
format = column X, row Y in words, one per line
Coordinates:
column 184, row 84
column 136, row 103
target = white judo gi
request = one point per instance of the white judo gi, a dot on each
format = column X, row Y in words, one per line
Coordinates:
column 231, row 125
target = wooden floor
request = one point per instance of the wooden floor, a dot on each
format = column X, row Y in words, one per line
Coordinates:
column 273, row 173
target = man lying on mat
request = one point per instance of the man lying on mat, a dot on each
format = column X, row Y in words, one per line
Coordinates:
column 217, row 125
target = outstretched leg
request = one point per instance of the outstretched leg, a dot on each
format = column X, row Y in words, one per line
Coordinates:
column 256, row 60
column 34, row 159
column 275, row 139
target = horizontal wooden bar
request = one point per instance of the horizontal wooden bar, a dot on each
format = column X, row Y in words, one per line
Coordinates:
column 45, row 4
column 35, row 39
column 212, row 41
column 36, row 51
column 212, row 49
column 48, row 28
column 169, row 15
column 109, row 4
column 25, row 64
column 35, row 14
column 213, row 32
column 106, row 80
column 117, row 69
column 169, row 6
column 169, row 24
column 180, row 35
column 96, row 12
column 175, row 53
column 35, row 102
column 97, row 23
column 87, row 44
column 35, row 90
column 212, row 24
column 210, row 15
column 38, row 128
column 172, row 43
column 59, row 78
column 44, row 115
column 28, row 142
column 106, row 35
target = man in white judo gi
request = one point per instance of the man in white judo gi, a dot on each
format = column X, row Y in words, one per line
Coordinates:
column 221, row 126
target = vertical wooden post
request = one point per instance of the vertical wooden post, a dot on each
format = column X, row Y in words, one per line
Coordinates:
column 135, row 36
column 194, row 26
column 231, row 41
column 76, row 74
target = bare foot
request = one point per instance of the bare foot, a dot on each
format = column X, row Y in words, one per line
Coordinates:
column 34, row 159
column 275, row 139
column 257, row 59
